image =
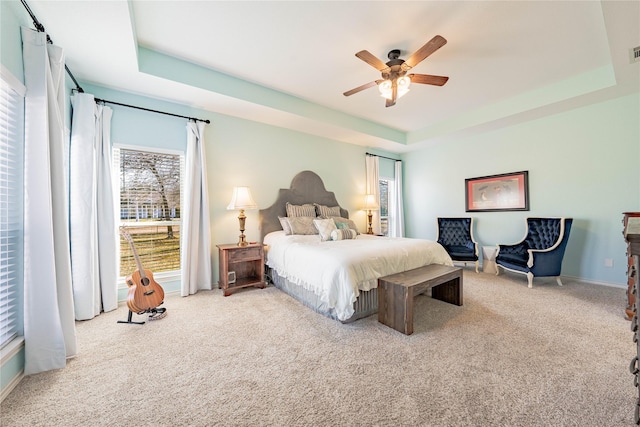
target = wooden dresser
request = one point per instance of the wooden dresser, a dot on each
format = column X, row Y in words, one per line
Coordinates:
column 632, row 236
column 631, row 271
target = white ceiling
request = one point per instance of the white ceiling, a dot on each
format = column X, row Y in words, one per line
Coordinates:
column 508, row 61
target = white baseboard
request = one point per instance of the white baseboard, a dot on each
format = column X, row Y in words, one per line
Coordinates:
column 595, row 282
column 12, row 384
column 7, row 354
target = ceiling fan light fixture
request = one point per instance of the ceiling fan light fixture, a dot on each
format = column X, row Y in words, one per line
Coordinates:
column 403, row 85
column 385, row 87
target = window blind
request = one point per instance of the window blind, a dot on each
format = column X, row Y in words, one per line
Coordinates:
column 11, row 204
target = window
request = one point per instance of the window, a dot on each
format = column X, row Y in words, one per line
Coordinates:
column 150, row 196
column 386, row 195
column 11, row 204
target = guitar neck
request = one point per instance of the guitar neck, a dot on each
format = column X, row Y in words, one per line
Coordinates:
column 135, row 252
column 138, row 262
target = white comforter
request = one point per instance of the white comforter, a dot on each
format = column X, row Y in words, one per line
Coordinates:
column 337, row 271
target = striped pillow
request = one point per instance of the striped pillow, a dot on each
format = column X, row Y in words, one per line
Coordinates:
column 326, row 211
column 301, row 210
column 343, row 234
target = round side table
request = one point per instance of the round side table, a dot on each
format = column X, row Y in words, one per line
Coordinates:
column 489, row 259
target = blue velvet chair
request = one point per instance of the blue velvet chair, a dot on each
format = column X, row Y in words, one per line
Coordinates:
column 541, row 251
column 456, row 236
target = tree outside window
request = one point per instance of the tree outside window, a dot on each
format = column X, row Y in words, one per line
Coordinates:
column 150, row 185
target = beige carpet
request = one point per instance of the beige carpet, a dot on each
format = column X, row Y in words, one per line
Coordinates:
column 511, row 356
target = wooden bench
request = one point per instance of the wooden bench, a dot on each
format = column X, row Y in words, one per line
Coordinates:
column 396, row 292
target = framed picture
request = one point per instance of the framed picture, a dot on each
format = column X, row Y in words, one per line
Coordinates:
column 505, row 192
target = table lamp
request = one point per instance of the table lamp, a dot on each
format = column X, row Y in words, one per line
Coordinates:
column 370, row 204
column 241, row 199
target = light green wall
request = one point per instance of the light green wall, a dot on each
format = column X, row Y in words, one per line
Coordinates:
column 582, row 164
column 266, row 158
column 12, row 15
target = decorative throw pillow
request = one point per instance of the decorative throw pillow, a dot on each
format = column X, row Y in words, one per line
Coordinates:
column 285, row 225
column 301, row 210
column 324, row 227
column 302, row 225
column 326, row 211
column 340, row 223
column 343, row 234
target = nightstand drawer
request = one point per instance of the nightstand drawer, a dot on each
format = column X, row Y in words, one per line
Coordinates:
column 245, row 254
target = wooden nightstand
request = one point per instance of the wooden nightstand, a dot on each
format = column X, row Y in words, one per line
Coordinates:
column 246, row 262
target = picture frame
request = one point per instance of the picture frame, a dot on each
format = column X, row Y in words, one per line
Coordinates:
column 495, row 193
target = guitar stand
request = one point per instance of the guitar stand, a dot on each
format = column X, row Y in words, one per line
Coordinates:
column 129, row 320
column 154, row 314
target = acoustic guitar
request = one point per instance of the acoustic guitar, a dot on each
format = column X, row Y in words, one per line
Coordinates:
column 145, row 293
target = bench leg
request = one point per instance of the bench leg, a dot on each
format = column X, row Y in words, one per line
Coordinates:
column 450, row 291
column 395, row 307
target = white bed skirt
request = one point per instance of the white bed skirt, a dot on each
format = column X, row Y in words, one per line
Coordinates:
column 366, row 304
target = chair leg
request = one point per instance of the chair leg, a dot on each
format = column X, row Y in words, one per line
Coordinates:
column 497, row 270
column 476, row 266
column 530, row 279
column 559, row 281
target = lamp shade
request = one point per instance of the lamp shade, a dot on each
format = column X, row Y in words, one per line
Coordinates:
column 241, row 199
column 370, row 203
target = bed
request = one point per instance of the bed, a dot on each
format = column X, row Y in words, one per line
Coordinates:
column 334, row 277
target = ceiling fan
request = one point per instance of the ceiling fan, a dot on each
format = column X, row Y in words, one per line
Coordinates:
column 395, row 80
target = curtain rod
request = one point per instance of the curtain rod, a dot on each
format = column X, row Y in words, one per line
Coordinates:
column 153, row 111
column 40, row 28
column 388, row 158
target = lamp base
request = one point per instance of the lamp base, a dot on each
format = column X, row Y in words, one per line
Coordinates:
column 241, row 220
column 370, row 218
column 243, row 241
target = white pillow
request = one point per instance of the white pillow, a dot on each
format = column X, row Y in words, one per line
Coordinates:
column 284, row 222
column 325, row 227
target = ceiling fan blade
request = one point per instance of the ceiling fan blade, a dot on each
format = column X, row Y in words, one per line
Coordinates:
column 367, row 57
column 361, row 88
column 431, row 46
column 427, row 79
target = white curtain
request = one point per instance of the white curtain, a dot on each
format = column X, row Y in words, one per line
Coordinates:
column 396, row 212
column 94, row 250
column 196, row 246
column 49, row 326
column 373, row 187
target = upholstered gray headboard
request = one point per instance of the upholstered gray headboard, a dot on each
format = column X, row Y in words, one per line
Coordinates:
column 306, row 187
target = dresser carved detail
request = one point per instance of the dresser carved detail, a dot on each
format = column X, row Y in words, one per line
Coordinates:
column 632, row 276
